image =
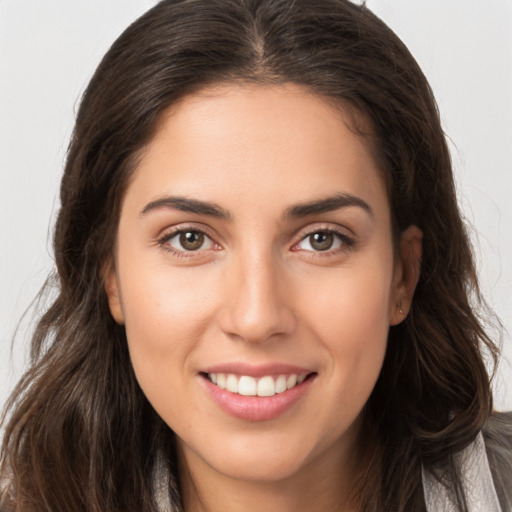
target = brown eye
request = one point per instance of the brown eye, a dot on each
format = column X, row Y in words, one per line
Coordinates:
column 191, row 240
column 188, row 242
column 321, row 241
column 324, row 240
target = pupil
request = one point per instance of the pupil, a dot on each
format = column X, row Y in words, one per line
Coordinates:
column 191, row 240
column 321, row 241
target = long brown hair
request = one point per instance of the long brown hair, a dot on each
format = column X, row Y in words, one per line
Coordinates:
column 81, row 436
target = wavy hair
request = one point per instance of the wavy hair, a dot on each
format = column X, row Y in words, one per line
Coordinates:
column 79, row 433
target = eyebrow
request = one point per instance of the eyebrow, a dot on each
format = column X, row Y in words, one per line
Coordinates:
column 198, row 207
column 328, row 204
column 188, row 205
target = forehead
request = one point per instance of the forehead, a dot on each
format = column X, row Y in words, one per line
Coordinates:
column 245, row 139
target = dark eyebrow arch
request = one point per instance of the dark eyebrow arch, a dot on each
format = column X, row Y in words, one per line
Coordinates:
column 328, row 204
column 188, row 205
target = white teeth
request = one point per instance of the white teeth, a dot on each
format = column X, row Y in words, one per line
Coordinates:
column 266, row 386
column 249, row 386
column 221, row 380
column 232, row 384
column 281, row 384
column 292, row 380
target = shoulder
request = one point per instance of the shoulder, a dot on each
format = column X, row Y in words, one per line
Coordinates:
column 497, row 433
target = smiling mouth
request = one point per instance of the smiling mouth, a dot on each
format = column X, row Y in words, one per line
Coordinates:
column 265, row 386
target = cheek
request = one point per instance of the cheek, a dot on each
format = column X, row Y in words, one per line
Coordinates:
column 352, row 306
column 160, row 302
column 166, row 315
column 349, row 314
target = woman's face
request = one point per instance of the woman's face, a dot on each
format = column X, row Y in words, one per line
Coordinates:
column 256, row 279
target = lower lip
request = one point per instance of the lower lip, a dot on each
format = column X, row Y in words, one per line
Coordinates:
column 255, row 408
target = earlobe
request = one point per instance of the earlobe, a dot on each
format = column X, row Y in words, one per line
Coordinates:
column 113, row 295
column 407, row 274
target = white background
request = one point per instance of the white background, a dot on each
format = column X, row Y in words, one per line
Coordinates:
column 49, row 49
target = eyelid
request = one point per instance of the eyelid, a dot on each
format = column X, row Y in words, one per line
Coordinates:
column 167, row 234
column 348, row 241
column 314, row 227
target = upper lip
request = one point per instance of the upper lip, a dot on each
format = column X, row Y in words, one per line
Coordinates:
column 240, row 368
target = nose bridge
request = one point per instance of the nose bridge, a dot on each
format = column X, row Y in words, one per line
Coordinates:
column 258, row 306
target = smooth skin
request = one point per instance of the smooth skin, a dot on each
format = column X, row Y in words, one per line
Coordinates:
column 227, row 253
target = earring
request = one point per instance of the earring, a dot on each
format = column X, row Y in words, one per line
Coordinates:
column 399, row 305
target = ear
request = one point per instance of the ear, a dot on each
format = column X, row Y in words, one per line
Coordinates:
column 407, row 273
column 112, row 291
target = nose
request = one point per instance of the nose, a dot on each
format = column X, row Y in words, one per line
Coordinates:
column 257, row 305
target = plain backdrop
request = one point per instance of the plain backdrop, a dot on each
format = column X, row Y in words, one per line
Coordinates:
column 49, row 49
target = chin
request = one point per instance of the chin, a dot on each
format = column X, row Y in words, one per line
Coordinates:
column 257, row 457
column 255, row 469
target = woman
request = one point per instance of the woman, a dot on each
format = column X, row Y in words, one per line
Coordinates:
column 266, row 289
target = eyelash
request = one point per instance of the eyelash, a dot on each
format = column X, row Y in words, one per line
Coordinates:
column 346, row 241
column 164, row 240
